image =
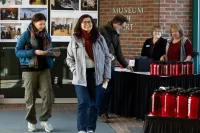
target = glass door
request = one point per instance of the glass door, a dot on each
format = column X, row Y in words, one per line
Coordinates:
column 14, row 19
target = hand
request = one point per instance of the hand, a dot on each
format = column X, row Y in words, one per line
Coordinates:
column 40, row 52
column 106, row 80
column 56, row 54
column 129, row 68
column 188, row 58
column 162, row 58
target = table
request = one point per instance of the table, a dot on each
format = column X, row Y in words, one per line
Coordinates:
column 131, row 92
column 156, row 124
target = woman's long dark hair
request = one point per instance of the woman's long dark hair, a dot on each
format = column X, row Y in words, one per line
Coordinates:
column 38, row 17
column 94, row 32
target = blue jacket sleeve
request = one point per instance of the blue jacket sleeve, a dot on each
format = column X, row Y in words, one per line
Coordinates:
column 20, row 52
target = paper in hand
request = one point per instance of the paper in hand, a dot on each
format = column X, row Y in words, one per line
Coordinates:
column 51, row 51
column 105, row 84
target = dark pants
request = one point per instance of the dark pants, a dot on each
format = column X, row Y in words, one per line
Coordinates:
column 87, row 110
column 105, row 96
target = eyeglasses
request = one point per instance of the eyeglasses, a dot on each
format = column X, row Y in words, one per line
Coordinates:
column 86, row 22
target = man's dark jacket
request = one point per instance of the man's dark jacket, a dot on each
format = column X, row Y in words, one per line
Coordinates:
column 113, row 42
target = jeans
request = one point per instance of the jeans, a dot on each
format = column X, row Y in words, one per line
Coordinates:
column 87, row 110
column 104, row 97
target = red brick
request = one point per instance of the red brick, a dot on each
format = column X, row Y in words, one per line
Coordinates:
column 164, row 5
column 170, row 1
column 170, row 9
column 177, row 5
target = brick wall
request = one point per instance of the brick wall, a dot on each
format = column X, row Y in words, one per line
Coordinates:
column 176, row 11
column 164, row 12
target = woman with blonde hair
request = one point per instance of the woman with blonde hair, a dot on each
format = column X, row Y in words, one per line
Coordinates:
column 179, row 47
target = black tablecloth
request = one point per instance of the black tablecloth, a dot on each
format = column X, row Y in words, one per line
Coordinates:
column 170, row 125
column 131, row 92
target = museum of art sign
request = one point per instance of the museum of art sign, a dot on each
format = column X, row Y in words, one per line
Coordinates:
column 128, row 12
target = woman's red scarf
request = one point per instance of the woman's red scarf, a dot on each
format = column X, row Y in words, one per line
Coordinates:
column 88, row 44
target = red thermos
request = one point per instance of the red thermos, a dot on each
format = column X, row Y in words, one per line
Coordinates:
column 184, row 68
column 182, row 104
column 158, row 68
column 163, row 102
column 170, row 104
column 189, row 68
column 153, row 68
column 172, row 68
column 156, row 103
column 177, row 69
column 192, row 68
column 161, row 68
column 193, row 105
column 166, row 69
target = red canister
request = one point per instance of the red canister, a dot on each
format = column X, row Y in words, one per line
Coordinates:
column 158, row 68
column 182, row 104
column 153, row 68
column 193, row 105
column 172, row 68
column 177, row 69
column 170, row 104
column 189, row 68
column 166, row 69
column 156, row 103
column 184, row 68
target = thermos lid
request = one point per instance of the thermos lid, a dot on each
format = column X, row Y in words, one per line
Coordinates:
column 172, row 62
column 183, row 92
column 196, row 88
column 158, row 90
column 195, row 93
column 190, row 90
column 188, row 61
column 162, row 62
column 184, row 63
column 171, row 91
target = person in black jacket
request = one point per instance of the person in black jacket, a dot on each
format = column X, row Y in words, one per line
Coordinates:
column 110, row 32
column 154, row 47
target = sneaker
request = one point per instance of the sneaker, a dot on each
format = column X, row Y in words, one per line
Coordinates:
column 105, row 116
column 31, row 127
column 91, row 131
column 81, row 132
column 47, row 126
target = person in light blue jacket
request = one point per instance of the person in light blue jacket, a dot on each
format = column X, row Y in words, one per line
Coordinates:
column 89, row 60
column 35, row 63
